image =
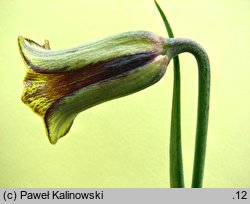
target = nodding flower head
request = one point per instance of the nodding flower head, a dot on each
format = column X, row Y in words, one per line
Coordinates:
column 60, row 84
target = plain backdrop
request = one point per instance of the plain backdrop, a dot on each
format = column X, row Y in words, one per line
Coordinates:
column 125, row 142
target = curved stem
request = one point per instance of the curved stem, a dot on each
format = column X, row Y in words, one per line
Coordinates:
column 175, row 150
column 176, row 46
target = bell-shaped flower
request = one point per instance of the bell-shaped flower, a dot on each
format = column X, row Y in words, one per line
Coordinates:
column 60, row 84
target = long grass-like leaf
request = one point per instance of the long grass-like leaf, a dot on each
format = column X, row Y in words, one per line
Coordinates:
column 176, row 164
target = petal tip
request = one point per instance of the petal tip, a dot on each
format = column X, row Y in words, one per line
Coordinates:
column 57, row 127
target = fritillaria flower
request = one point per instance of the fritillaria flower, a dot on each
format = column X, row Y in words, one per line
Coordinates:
column 60, row 84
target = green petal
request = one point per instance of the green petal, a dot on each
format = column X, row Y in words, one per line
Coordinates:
column 38, row 59
column 60, row 116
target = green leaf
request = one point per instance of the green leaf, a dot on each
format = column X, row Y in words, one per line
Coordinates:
column 176, row 164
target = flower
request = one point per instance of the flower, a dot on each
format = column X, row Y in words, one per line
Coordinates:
column 60, row 84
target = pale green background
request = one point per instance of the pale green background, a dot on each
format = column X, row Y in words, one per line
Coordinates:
column 124, row 143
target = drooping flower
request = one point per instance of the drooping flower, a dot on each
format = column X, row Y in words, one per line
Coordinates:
column 60, row 84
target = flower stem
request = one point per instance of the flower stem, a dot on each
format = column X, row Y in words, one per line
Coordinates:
column 176, row 46
column 175, row 151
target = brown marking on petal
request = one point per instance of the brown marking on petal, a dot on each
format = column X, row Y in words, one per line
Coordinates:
column 42, row 90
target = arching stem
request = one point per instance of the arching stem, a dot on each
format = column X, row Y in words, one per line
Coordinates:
column 175, row 150
column 174, row 47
